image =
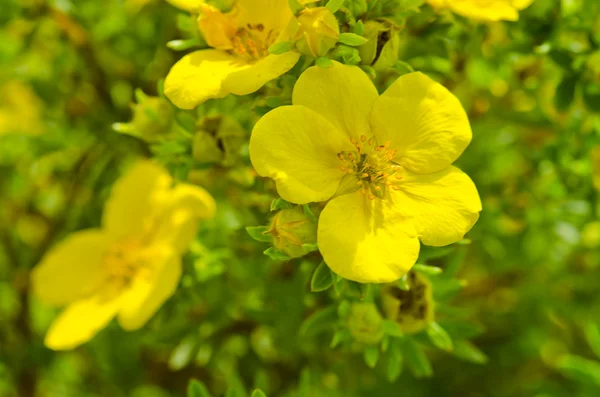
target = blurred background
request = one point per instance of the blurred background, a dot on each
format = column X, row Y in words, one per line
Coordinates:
column 80, row 98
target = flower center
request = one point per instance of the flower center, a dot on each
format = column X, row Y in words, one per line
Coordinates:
column 372, row 165
column 253, row 41
column 125, row 261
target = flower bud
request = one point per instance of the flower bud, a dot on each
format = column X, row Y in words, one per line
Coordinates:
column 412, row 309
column 291, row 229
column 218, row 139
column 315, row 31
column 365, row 323
column 381, row 51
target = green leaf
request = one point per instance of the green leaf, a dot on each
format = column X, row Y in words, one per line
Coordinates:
column 197, row 389
column 392, row 328
column 439, row 336
column 281, row 48
column 565, row 92
column 352, row 39
column 260, row 233
column 469, row 352
column 334, row 5
column 275, row 254
column 182, row 45
column 183, row 353
column 309, row 214
column 319, row 321
column 371, row 356
column 428, row 270
column 258, row 393
column 340, row 336
column 280, row 204
column 186, row 121
column 394, row 364
column 321, row 279
column 580, row 369
column 416, row 359
column 592, row 335
column 323, row 62
column 402, row 283
column 308, row 248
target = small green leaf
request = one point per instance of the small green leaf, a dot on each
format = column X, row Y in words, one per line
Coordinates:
column 323, row 62
column 352, row 39
column 183, row 353
column 186, row 121
column 281, row 48
column 371, row 355
column 334, row 5
column 275, row 254
column 359, row 28
column 197, row 389
column 394, row 364
column 258, row 393
column 321, row 279
column 308, row 248
column 340, row 336
column 565, row 92
column 309, row 214
column 592, row 335
column 280, row 204
column 416, row 359
column 469, row 352
column 580, row 369
column 182, row 45
column 392, row 328
column 428, row 270
column 319, row 321
column 439, row 336
column 260, row 233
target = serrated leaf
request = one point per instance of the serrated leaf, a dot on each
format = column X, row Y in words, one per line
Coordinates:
column 334, row 5
column 371, row 356
column 321, row 279
column 352, row 39
column 275, row 254
column 392, row 328
column 428, row 270
column 319, row 321
column 281, row 48
column 197, row 389
column 258, row 393
column 469, row 352
column 439, row 336
column 260, row 233
column 416, row 359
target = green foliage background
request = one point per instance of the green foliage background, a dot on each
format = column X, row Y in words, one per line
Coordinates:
column 519, row 304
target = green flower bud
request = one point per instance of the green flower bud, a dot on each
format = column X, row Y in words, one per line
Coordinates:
column 413, row 309
column 365, row 323
column 291, row 229
column 315, row 31
column 381, row 51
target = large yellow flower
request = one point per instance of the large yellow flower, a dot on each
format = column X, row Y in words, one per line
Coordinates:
column 127, row 268
column 384, row 162
column 239, row 62
column 484, row 10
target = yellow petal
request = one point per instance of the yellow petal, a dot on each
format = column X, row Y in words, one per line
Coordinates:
column 272, row 14
column 147, row 294
column 73, row 269
column 497, row 11
column 298, row 149
column 365, row 240
column 342, row 94
column 521, row 4
column 217, row 27
column 423, row 121
column 178, row 225
column 192, row 6
column 250, row 79
column 444, row 206
column 135, row 199
column 81, row 321
column 199, row 76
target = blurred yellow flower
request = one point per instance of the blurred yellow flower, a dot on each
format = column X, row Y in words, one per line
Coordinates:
column 129, row 266
column 484, row 10
column 384, row 162
column 20, row 109
column 239, row 62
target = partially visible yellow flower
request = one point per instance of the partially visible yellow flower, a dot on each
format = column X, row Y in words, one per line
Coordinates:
column 239, row 62
column 315, row 31
column 383, row 162
column 129, row 266
column 484, row 10
column 20, row 109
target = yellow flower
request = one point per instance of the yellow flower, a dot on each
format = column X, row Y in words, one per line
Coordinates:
column 484, row 10
column 239, row 62
column 20, row 109
column 315, row 31
column 129, row 266
column 384, row 162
